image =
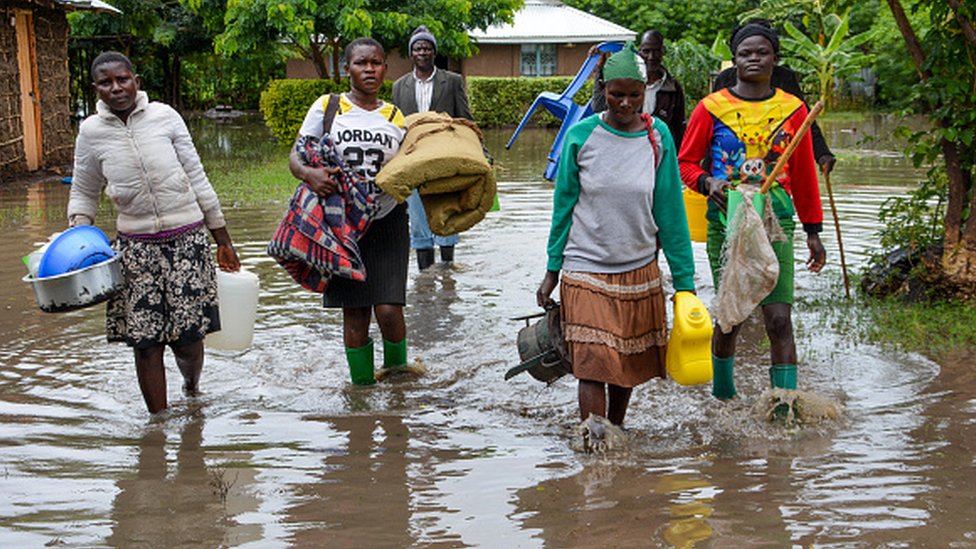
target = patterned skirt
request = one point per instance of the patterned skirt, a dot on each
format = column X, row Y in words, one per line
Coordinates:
column 170, row 291
column 615, row 325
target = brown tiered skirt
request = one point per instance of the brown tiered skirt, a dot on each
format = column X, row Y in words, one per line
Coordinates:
column 615, row 325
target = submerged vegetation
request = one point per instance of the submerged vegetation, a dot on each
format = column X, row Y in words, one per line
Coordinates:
column 934, row 328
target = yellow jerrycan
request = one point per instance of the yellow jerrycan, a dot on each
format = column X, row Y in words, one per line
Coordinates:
column 689, row 356
column 696, row 206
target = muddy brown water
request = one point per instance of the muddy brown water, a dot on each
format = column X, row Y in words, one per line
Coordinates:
column 281, row 452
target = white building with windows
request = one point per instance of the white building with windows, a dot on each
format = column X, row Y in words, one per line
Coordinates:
column 547, row 38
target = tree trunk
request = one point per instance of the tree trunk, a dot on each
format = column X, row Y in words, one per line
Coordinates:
column 176, row 82
column 335, row 59
column 957, row 196
column 959, row 245
column 321, row 68
column 911, row 41
column 167, row 77
column 965, row 24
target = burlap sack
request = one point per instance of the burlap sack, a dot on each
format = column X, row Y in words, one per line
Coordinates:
column 443, row 158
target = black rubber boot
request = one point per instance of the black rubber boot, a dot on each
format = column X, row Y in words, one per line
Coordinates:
column 447, row 254
column 425, row 258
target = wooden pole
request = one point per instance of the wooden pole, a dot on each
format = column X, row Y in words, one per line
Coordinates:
column 840, row 243
column 794, row 143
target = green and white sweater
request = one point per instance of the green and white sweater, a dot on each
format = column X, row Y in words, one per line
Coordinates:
column 612, row 207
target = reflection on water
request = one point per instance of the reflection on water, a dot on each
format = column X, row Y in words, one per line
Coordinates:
column 280, row 451
column 348, row 507
column 146, row 502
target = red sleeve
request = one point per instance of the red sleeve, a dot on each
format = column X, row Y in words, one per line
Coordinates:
column 695, row 146
column 804, row 185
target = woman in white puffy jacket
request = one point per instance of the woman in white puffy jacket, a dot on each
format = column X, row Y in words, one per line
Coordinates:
column 141, row 153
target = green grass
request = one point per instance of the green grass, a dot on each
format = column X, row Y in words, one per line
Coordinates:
column 244, row 163
column 844, row 116
column 263, row 181
column 933, row 329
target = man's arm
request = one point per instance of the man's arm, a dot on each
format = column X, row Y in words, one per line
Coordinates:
column 461, row 107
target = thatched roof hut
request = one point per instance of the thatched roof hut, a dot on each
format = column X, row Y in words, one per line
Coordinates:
column 35, row 122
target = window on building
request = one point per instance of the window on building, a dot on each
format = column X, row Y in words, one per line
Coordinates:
column 538, row 60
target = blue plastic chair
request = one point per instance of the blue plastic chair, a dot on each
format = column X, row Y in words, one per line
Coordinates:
column 562, row 106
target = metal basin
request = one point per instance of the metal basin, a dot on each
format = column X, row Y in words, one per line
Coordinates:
column 77, row 289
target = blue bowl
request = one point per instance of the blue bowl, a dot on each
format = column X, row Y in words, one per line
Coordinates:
column 75, row 249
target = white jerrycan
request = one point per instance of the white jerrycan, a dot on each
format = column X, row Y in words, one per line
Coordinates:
column 237, row 294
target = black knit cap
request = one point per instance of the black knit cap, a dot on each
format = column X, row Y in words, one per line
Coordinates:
column 754, row 29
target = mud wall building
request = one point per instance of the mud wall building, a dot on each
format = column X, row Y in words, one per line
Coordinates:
column 35, row 120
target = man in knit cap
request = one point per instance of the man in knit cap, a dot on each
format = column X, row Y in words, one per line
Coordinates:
column 427, row 88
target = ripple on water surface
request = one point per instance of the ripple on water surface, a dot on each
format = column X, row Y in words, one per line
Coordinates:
column 280, row 451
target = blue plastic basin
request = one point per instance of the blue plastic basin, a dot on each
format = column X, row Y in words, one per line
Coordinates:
column 76, row 248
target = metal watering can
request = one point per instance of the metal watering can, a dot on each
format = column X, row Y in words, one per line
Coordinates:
column 542, row 348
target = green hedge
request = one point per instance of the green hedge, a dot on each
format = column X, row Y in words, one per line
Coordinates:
column 503, row 101
column 285, row 102
column 494, row 102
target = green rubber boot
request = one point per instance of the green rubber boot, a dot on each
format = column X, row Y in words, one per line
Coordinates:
column 394, row 354
column 360, row 361
column 783, row 376
column 723, row 385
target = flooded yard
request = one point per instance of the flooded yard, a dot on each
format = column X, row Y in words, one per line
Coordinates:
column 280, row 451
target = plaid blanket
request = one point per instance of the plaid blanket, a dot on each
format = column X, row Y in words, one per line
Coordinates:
column 318, row 236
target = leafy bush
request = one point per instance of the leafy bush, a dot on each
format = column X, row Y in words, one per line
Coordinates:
column 911, row 238
column 494, row 101
column 284, row 103
column 503, row 101
column 915, row 219
column 692, row 64
column 208, row 80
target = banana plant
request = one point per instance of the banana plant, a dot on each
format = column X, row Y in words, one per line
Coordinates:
column 838, row 58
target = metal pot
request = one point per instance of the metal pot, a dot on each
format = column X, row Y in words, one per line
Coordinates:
column 77, row 289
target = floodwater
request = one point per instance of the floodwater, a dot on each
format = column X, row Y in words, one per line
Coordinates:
column 281, row 451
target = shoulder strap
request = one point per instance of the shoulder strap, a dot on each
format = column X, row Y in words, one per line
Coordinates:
column 331, row 108
column 393, row 114
column 649, row 122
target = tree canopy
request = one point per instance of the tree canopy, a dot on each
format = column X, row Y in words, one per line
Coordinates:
column 319, row 28
column 700, row 21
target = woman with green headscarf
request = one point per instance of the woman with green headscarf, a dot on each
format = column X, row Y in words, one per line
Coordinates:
column 617, row 201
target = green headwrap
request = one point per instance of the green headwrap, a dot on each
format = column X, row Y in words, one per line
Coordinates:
column 624, row 64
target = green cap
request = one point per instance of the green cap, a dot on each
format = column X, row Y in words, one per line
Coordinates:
column 624, row 64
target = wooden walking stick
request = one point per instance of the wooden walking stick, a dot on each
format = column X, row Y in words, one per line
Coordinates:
column 840, row 243
column 814, row 112
column 794, row 143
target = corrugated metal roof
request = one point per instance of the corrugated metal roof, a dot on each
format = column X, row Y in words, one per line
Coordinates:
column 550, row 21
column 91, row 5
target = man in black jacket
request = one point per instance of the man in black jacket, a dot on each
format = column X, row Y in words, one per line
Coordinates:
column 427, row 88
column 663, row 97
